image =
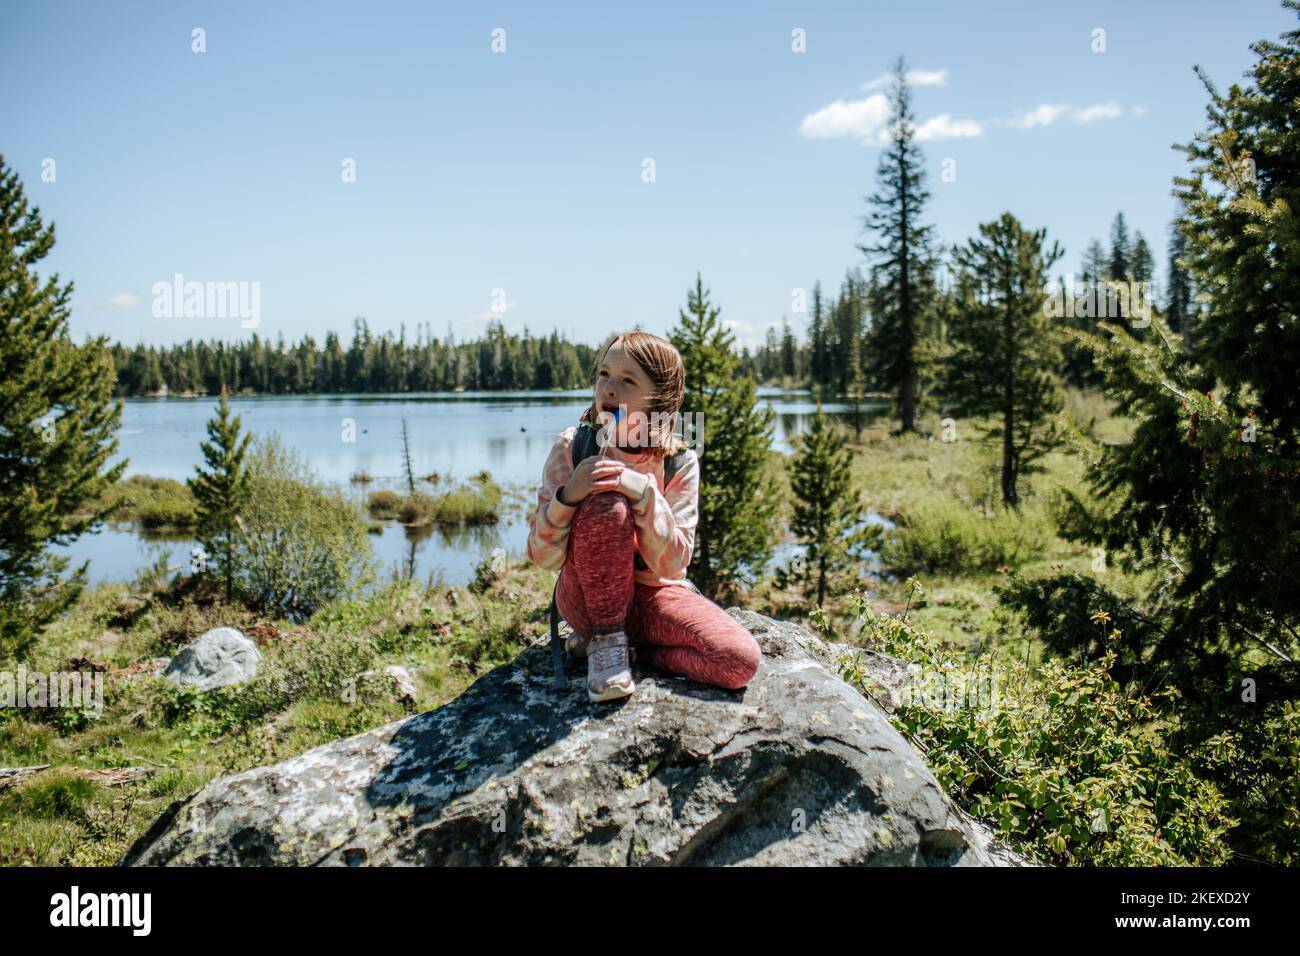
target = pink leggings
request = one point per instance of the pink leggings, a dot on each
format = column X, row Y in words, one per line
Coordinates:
column 673, row 627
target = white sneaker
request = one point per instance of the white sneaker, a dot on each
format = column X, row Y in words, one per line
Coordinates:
column 609, row 676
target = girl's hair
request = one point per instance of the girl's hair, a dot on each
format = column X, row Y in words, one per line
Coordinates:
column 662, row 363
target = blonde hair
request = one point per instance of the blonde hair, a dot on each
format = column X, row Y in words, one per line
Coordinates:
column 662, row 364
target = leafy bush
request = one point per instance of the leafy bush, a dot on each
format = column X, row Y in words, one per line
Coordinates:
column 300, row 543
column 474, row 502
column 384, row 504
column 1242, row 737
column 944, row 535
column 1058, row 758
column 152, row 502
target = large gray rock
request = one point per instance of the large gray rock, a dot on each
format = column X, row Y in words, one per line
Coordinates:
column 798, row 768
column 219, row 658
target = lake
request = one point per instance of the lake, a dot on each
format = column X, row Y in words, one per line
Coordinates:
column 455, row 434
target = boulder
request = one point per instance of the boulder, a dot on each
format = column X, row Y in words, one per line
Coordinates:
column 798, row 768
column 219, row 658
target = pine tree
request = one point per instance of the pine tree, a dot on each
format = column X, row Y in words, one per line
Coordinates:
column 1203, row 501
column 1119, row 266
column 789, row 351
column 1178, row 296
column 738, row 497
column 1142, row 264
column 1077, row 366
column 856, row 387
column 818, row 371
column 221, row 491
column 58, row 427
column 1095, row 266
column 824, row 506
column 902, row 276
column 1003, row 344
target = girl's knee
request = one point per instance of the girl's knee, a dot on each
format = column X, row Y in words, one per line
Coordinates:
column 743, row 661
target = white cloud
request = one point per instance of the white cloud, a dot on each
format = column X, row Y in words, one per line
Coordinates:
column 1139, row 111
column 124, row 300
column 1099, row 112
column 1044, row 115
column 914, row 78
column 861, row 119
column 866, row 120
column 945, row 127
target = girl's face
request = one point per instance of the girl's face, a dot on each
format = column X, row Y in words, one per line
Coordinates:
column 623, row 384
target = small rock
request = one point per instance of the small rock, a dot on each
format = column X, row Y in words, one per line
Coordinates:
column 219, row 658
column 402, row 679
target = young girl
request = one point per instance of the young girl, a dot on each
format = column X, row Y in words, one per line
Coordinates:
column 622, row 541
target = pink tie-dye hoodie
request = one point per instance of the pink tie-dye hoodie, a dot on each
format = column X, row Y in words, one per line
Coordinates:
column 665, row 517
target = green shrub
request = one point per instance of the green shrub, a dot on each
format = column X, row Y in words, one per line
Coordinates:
column 384, row 504
column 474, row 502
column 152, row 502
column 300, row 543
column 1058, row 758
column 944, row 535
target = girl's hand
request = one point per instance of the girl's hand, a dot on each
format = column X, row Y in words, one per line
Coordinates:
column 632, row 483
column 592, row 476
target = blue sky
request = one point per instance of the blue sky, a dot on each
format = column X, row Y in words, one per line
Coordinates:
column 522, row 171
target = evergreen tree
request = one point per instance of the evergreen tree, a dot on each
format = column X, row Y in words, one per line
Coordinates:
column 1119, row 265
column 902, row 276
column 1077, row 365
column 1003, row 344
column 819, row 372
column 1142, row 264
column 1095, row 266
column 58, row 427
column 1203, row 502
column 221, row 491
column 738, row 497
column 789, row 352
column 824, row 507
column 1178, row 296
column 857, row 386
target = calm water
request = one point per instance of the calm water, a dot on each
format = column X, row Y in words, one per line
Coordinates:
column 454, row 434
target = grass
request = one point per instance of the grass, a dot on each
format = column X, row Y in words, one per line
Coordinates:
column 953, row 531
column 446, row 637
column 156, row 504
column 474, row 502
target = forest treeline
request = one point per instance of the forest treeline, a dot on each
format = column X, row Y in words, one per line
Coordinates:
column 824, row 354
column 368, row 363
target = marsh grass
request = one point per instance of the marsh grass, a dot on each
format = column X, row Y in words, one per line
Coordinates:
column 156, row 504
column 474, row 502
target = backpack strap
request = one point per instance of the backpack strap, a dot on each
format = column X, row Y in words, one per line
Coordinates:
column 585, row 444
column 557, row 646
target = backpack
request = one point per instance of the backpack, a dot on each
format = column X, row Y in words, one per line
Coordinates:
column 585, row 444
